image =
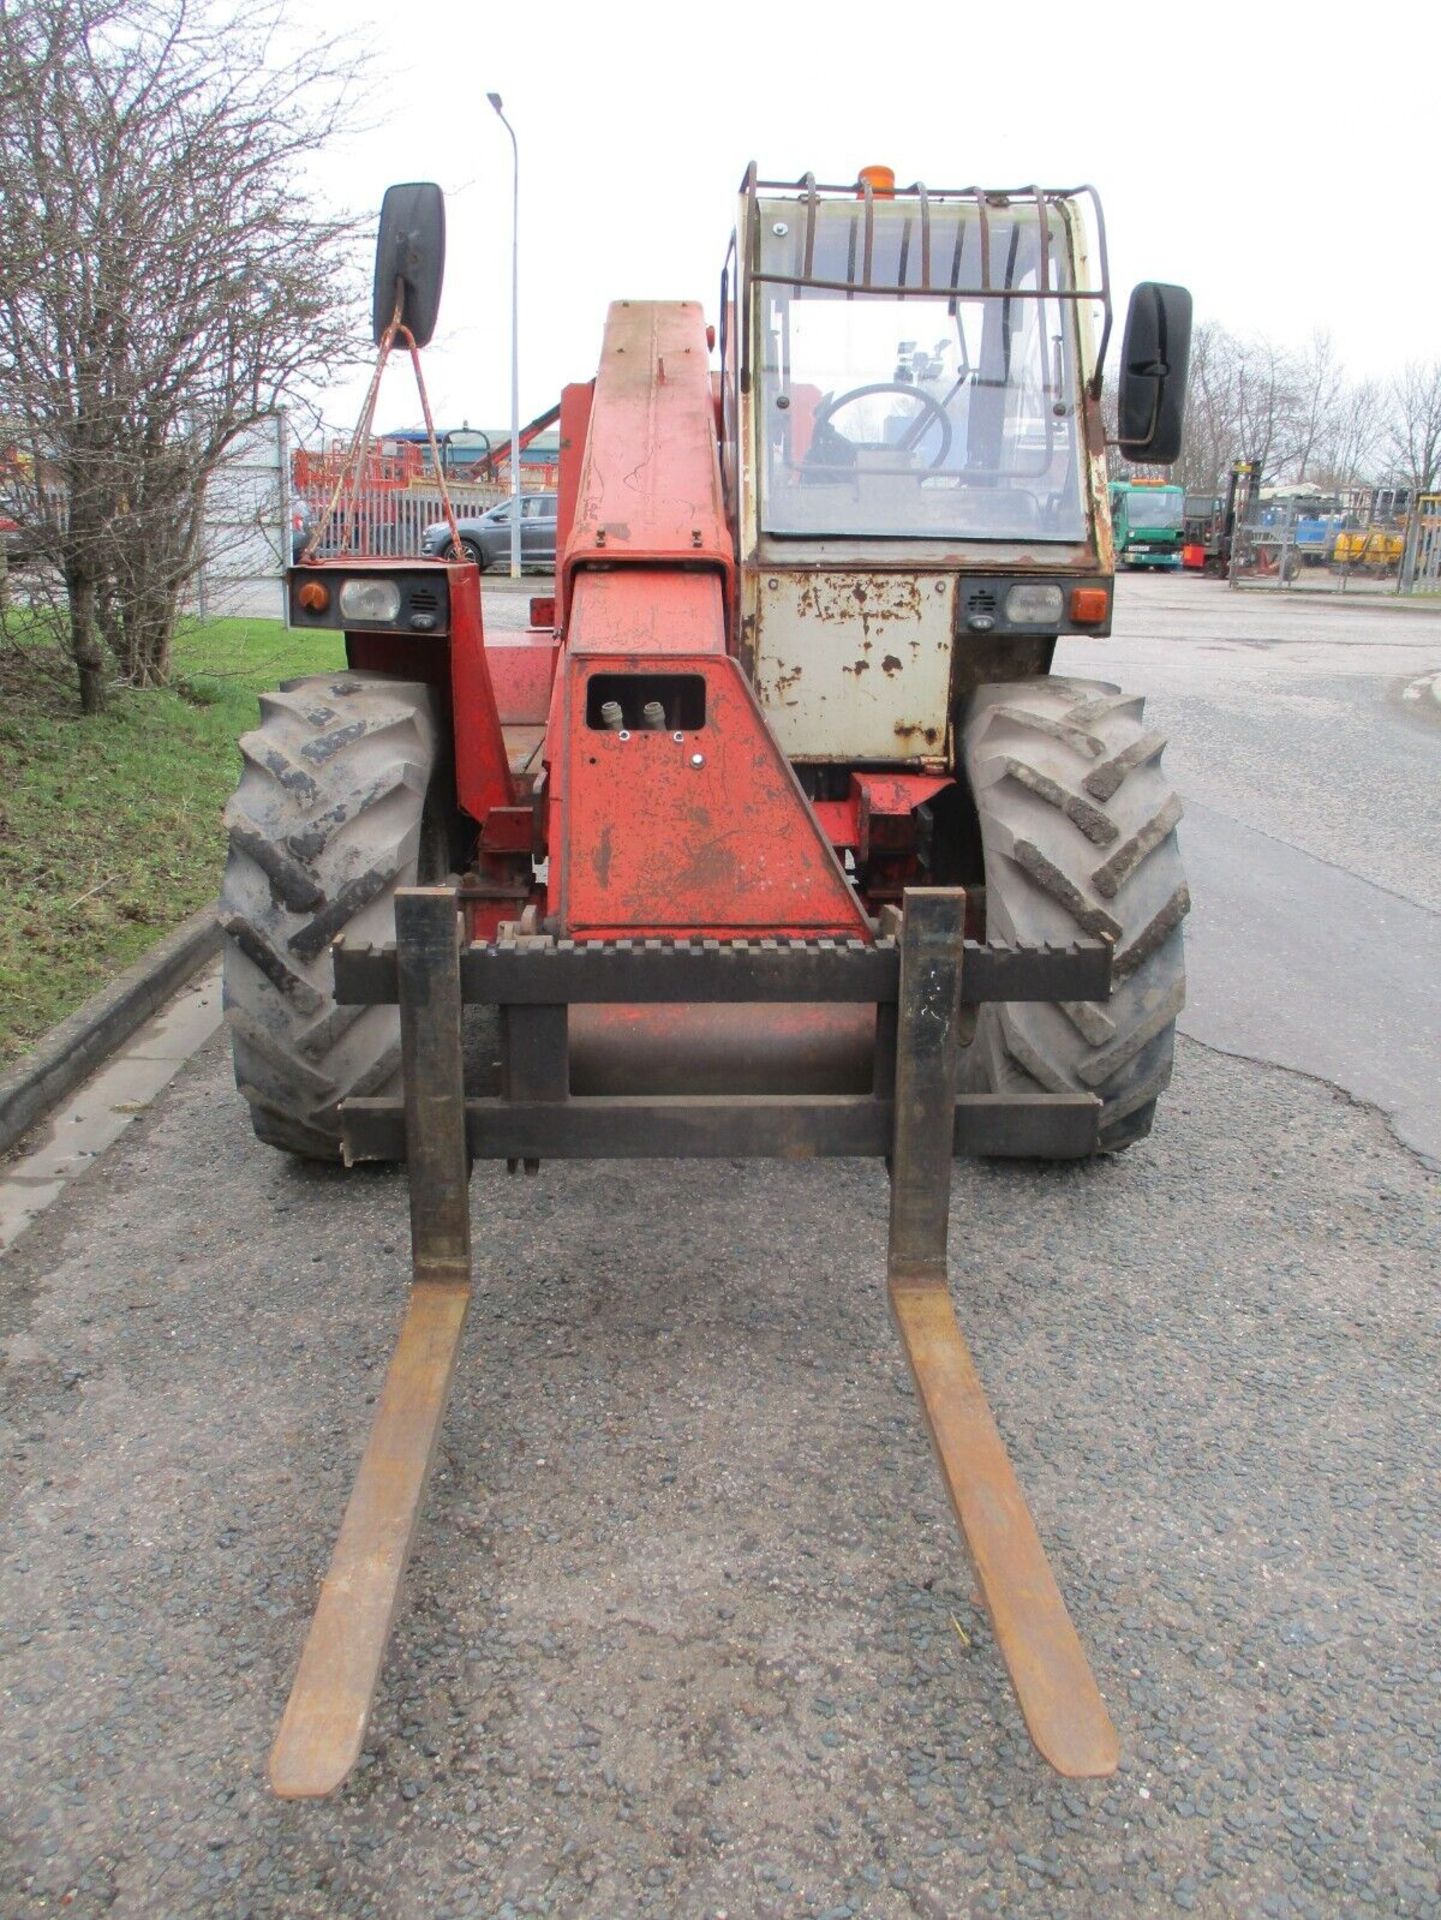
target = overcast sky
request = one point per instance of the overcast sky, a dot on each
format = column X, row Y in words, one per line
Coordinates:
column 1280, row 161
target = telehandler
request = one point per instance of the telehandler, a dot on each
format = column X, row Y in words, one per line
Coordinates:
column 774, row 834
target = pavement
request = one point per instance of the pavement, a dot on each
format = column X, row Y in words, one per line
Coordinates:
column 688, row 1631
column 74, row 1134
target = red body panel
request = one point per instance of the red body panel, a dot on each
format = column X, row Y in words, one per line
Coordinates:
column 650, row 484
column 482, row 773
column 877, row 809
column 575, row 405
column 646, row 615
column 699, row 828
column 522, row 668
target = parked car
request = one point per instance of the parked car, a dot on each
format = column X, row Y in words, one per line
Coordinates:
column 485, row 537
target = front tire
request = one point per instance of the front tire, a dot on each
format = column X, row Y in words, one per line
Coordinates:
column 330, row 817
column 1078, row 829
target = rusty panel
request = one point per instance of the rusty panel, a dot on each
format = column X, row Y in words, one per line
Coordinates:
column 856, row 665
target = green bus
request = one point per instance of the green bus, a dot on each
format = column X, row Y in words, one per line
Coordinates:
column 1147, row 523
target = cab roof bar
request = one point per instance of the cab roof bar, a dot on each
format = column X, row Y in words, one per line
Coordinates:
column 984, row 199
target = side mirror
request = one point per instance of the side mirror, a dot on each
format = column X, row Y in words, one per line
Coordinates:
column 410, row 248
column 1151, row 393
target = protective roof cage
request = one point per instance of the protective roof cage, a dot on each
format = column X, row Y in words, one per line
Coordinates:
column 963, row 276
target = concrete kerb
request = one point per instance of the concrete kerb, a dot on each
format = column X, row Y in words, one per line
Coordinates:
column 538, row 585
column 1416, row 604
column 72, row 1051
column 1427, row 688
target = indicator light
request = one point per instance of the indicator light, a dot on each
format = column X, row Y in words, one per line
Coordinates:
column 1089, row 606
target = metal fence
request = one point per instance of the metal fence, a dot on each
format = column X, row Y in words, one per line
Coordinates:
column 1370, row 543
column 1421, row 563
column 391, row 520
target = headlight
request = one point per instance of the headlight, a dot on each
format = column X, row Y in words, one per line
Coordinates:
column 369, row 600
column 1027, row 606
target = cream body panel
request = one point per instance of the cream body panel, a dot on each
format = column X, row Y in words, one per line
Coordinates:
column 855, row 666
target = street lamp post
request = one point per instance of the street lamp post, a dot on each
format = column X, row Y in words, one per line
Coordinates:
column 495, row 101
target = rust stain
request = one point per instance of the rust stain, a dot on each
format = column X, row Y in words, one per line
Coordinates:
column 861, row 666
column 877, row 599
column 603, row 857
column 890, row 664
column 931, row 735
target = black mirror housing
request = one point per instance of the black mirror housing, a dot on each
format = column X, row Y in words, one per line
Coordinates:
column 1151, row 392
column 409, row 249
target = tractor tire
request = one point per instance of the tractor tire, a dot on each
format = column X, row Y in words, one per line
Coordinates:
column 1078, row 831
column 330, row 817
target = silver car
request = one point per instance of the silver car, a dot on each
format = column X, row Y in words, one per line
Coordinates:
column 485, row 537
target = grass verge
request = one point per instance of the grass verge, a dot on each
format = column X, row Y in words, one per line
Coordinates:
column 110, row 828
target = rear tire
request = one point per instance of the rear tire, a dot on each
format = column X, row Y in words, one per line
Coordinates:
column 330, row 817
column 1078, row 828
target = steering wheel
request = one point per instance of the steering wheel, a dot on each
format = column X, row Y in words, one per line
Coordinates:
column 930, row 410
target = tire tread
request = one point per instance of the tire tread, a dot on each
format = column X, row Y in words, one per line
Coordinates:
column 325, row 825
column 1038, row 755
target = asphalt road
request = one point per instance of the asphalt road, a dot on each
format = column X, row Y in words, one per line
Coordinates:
column 687, row 1632
column 1313, row 826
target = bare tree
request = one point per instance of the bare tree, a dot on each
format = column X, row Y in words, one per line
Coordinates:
column 1213, row 431
column 1267, row 405
column 1416, row 426
column 1348, row 448
column 1320, row 387
column 165, row 285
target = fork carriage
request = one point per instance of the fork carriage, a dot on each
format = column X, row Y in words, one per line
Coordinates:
column 917, row 984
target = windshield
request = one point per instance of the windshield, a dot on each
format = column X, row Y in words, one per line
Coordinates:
column 1160, row 509
column 944, row 414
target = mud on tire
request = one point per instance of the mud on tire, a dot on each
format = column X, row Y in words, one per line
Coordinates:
column 1078, row 827
column 328, row 820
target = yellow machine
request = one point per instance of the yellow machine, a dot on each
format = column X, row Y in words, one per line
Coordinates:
column 1369, row 549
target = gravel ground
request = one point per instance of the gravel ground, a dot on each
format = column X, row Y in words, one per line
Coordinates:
column 687, row 1632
